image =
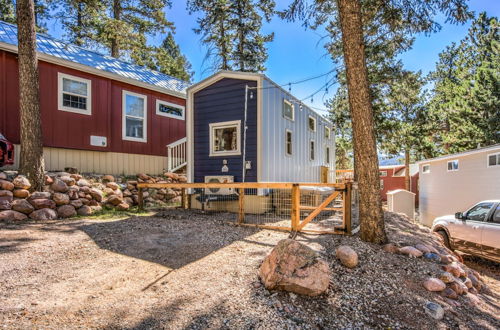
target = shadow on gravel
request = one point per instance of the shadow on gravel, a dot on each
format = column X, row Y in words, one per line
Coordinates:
column 170, row 238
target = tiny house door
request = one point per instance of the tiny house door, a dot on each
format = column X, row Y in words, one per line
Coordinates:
column 324, row 174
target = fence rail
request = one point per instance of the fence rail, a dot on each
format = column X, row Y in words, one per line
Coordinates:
column 307, row 207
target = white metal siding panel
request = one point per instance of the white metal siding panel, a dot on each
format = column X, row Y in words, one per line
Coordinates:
column 276, row 165
column 442, row 192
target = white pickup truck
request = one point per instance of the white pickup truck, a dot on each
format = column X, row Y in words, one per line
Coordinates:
column 475, row 231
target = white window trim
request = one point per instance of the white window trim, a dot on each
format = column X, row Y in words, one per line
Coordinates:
column 124, row 116
column 286, row 142
column 488, row 160
column 451, row 161
column 60, row 105
column 382, row 174
column 225, row 124
column 293, row 110
column 328, row 154
column 169, row 104
column 315, row 124
column 429, row 171
column 314, row 154
column 329, row 132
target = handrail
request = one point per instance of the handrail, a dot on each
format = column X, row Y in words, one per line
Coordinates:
column 177, row 155
column 176, row 143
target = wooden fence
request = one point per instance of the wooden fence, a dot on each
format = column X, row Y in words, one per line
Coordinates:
column 337, row 200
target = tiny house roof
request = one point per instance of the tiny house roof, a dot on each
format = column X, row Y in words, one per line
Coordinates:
column 66, row 54
column 494, row 147
column 250, row 75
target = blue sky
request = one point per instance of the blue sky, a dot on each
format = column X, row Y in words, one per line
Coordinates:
column 297, row 53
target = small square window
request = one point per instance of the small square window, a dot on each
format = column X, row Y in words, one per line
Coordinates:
column 311, row 150
column 288, row 142
column 168, row 109
column 327, row 133
column 426, row 168
column 288, row 110
column 74, row 94
column 383, row 173
column 312, row 124
column 494, row 160
column 453, row 165
column 225, row 138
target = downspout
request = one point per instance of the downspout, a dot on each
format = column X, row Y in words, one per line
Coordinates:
column 244, row 170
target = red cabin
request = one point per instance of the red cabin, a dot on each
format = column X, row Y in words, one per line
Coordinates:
column 393, row 177
column 99, row 114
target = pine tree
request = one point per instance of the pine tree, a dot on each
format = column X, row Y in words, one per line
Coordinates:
column 7, row 11
column 41, row 9
column 231, row 29
column 31, row 157
column 349, row 18
column 166, row 58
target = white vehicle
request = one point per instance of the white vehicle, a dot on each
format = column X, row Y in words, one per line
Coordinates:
column 475, row 231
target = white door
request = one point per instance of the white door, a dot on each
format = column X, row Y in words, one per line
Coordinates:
column 491, row 236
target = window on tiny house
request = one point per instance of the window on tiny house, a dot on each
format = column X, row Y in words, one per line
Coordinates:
column 312, row 123
column 225, row 138
column 327, row 133
column 134, row 117
column 453, row 165
column 288, row 142
column 494, row 160
column 426, row 168
column 383, row 173
column 288, row 110
column 311, row 151
column 74, row 94
column 168, row 109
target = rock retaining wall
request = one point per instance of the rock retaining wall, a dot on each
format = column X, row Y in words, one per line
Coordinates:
column 66, row 195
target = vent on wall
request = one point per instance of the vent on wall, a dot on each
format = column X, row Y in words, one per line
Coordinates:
column 98, row 141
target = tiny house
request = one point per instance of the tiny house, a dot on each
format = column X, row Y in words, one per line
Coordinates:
column 243, row 127
column 453, row 183
column 99, row 114
column 392, row 177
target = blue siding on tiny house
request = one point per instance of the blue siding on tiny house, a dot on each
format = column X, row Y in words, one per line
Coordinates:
column 223, row 101
column 276, row 165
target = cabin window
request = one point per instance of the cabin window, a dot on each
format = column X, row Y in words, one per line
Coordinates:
column 74, row 94
column 225, row 138
column 327, row 155
column 288, row 142
column 453, row 165
column 494, row 160
column 168, row 109
column 383, row 173
column 311, row 150
column 134, row 117
column 426, row 168
column 288, row 110
column 311, row 122
column 327, row 133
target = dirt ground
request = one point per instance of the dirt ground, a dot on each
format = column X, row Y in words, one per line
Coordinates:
column 187, row 270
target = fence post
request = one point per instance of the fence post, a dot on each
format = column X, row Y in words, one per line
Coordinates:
column 184, row 199
column 241, row 200
column 347, row 207
column 141, row 199
column 295, row 207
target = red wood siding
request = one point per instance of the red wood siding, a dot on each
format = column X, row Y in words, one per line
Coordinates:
column 63, row 129
column 392, row 182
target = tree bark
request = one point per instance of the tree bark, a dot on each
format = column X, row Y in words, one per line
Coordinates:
column 31, row 162
column 407, row 169
column 365, row 150
column 115, row 47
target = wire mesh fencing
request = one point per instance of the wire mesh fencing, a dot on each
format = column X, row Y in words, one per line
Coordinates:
column 309, row 207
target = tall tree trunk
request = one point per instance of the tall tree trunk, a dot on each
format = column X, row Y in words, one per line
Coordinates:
column 79, row 24
column 224, row 51
column 365, row 150
column 115, row 47
column 31, row 162
column 241, row 38
column 407, row 169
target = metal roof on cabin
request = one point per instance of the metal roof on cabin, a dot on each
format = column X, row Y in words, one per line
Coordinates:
column 69, row 52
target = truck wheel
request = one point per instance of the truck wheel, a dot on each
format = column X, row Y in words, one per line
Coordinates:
column 445, row 237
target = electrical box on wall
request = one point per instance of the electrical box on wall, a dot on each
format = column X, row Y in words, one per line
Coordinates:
column 248, row 165
column 98, row 141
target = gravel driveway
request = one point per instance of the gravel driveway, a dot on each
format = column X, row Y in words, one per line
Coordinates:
column 183, row 269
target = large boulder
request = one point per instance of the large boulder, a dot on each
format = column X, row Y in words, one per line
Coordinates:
column 85, row 210
column 347, row 256
column 59, row 186
column 76, row 203
column 43, row 203
column 96, row 194
column 40, row 195
column 122, row 207
column 108, row 178
column 6, row 195
column 83, row 183
column 66, row 211
column 113, row 185
column 23, row 206
column 292, row 266
column 410, row 251
column 21, row 193
column 44, row 214
column 60, row 199
column 114, row 200
column 68, row 180
column 5, row 205
column 21, row 182
column 434, row 284
column 11, row 215
column 6, row 185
